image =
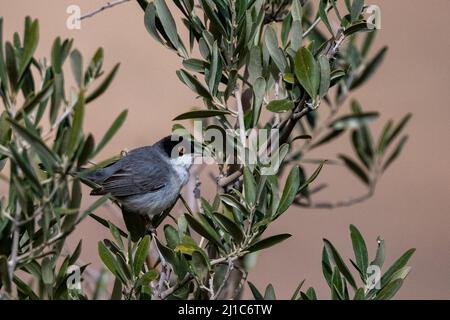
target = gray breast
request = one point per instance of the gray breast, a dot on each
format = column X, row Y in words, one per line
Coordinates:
column 154, row 203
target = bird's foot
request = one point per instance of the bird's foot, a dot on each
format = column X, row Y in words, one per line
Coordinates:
column 151, row 231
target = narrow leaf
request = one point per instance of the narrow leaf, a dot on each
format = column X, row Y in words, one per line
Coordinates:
column 268, row 242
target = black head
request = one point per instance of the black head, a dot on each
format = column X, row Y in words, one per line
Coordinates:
column 175, row 146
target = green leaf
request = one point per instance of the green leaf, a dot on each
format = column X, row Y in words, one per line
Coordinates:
column 395, row 153
column 356, row 9
column 35, row 99
column 196, row 65
column 325, row 76
column 150, row 22
column 110, row 262
column 172, row 236
column 141, row 253
column 76, row 131
column 333, row 134
column 307, row 71
column 47, row 271
column 296, row 10
column 269, row 294
column 360, row 250
column 395, row 132
column 215, row 72
column 147, row 278
column 359, row 27
column 324, row 16
column 326, row 267
column 31, row 40
column 355, row 168
column 76, row 253
column 212, row 16
column 289, row 78
column 259, row 90
column 187, row 246
column 231, row 201
column 290, row 190
column 11, row 66
column 193, row 84
column 254, row 65
column 372, row 66
column 384, row 136
column 117, row 124
column 36, row 143
column 23, row 288
column 99, row 202
column 56, row 58
column 76, row 62
column 3, row 73
column 104, row 85
column 27, row 170
column 337, row 286
column 199, row 114
column 312, row 177
column 256, row 294
column 204, row 229
column 280, row 106
column 86, row 152
column 167, row 22
column 339, row 263
column 200, row 265
column 271, row 42
column 359, row 294
column 297, row 35
column 389, row 291
column 267, row 242
column 396, row 266
column 249, row 187
column 354, row 121
column 117, row 290
column 311, row 293
column 230, row 227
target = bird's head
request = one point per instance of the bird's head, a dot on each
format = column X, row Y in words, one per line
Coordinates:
column 179, row 149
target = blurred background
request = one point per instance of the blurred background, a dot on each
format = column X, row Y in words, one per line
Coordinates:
column 411, row 206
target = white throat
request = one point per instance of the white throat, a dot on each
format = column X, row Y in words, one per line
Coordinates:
column 181, row 165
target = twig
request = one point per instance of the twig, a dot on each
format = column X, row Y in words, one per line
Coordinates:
column 15, row 247
column 338, row 204
column 225, row 280
column 238, row 95
column 177, row 286
column 223, row 182
column 162, row 277
column 239, row 288
column 108, row 5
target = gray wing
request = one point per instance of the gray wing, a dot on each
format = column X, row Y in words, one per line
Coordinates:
column 139, row 172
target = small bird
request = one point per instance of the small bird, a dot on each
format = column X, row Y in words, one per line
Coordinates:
column 147, row 180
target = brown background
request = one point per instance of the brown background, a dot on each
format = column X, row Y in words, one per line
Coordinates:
column 411, row 206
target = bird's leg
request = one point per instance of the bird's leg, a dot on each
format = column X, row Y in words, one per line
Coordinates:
column 151, row 231
column 165, row 271
column 149, row 227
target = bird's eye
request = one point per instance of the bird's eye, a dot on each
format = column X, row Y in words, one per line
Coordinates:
column 181, row 151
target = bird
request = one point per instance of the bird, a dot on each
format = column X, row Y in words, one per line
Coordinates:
column 147, row 180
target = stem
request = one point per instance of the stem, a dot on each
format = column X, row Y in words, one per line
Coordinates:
column 15, row 247
column 177, row 286
column 108, row 5
column 238, row 96
column 225, row 280
column 338, row 204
